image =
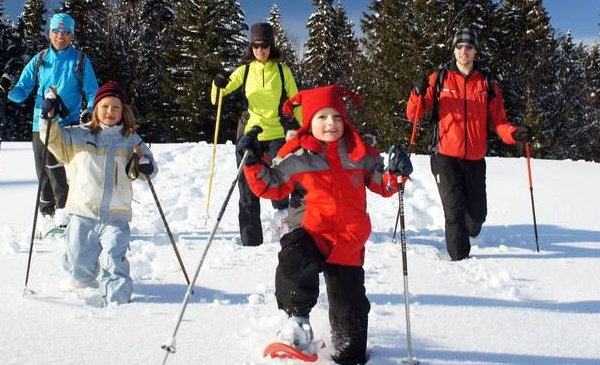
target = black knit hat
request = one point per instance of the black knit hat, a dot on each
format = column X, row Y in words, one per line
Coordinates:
column 262, row 32
column 465, row 35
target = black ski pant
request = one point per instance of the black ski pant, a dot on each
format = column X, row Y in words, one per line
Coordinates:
column 297, row 290
column 54, row 188
column 461, row 184
column 249, row 204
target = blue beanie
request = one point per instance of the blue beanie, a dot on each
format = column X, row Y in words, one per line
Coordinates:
column 62, row 21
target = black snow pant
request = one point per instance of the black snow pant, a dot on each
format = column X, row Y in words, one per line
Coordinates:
column 297, row 290
column 54, row 188
column 461, row 184
column 249, row 204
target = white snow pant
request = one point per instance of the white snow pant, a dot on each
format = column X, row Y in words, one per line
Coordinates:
column 93, row 245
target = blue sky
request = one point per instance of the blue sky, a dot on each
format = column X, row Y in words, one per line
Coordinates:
column 581, row 17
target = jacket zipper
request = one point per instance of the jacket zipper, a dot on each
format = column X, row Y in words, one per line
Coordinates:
column 465, row 114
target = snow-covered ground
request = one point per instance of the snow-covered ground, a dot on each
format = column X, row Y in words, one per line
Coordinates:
column 506, row 305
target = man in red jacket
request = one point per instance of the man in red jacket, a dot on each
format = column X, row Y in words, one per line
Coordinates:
column 329, row 164
column 465, row 112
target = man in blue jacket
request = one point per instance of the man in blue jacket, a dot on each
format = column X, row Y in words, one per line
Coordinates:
column 70, row 71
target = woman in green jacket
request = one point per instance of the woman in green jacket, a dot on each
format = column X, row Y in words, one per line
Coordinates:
column 264, row 81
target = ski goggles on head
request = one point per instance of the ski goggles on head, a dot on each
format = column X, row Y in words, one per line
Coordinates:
column 468, row 46
column 260, row 45
column 62, row 31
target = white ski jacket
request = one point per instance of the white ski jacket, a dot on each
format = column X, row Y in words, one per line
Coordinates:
column 99, row 187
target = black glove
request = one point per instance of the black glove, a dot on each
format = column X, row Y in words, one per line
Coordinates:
column 369, row 139
column 52, row 106
column 421, row 86
column 221, row 81
column 6, row 82
column 399, row 162
column 522, row 134
column 85, row 116
column 249, row 141
column 145, row 166
column 49, row 108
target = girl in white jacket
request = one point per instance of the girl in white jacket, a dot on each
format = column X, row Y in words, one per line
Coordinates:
column 101, row 166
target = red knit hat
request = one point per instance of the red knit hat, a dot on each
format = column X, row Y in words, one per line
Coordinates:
column 312, row 101
column 111, row 88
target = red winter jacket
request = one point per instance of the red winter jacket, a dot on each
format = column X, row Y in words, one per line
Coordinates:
column 464, row 114
column 335, row 195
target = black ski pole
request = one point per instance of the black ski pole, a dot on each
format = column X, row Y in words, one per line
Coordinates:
column 400, row 216
column 164, row 219
column 413, row 137
column 37, row 206
column 528, row 152
column 134, row 175
column 169, row 347
column 411, row 360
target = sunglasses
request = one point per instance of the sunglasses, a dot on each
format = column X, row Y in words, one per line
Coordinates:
column 468, row 46
column 62, row 31
column 260, row 45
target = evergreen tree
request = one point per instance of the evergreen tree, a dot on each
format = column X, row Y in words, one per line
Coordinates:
column 16, row 53
column 5, row 31
column 346, row 49
column 592, row 76
column 34, row 26
column 281, row 39
column 385, row 75
column 157, row 19
column 91, row 29
column 122, row 45
column 523, row 54
column 207, row 38
column 332, row 54
column 320, row 58
column 564, row 128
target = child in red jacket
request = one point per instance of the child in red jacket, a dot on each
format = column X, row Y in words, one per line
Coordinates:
column 330, row 166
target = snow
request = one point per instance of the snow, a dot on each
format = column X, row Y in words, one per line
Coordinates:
column 506, row 305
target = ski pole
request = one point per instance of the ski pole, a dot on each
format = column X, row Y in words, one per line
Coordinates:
column 400, row 215
column 164, row 219
column 528, row 153
column 136, row 156
column 37, row 206
column 413, row 136
column 169, row 347
column 214, row 153
column 411, row 359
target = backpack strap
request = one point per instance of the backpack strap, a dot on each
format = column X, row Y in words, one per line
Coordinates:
column 38, row 63
column 437, row 88
column 283, row 119
column 79, row 73
column 246, row 71
column 435, row 120
column 80, row 68
column 489, row 83
column 283, row 96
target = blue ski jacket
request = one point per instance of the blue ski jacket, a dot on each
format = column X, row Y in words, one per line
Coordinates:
column 60, row 70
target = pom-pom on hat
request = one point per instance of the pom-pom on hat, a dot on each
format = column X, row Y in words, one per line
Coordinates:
column 62, row 21
column 111, row 88
column 262, row 32
column 465, row 35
